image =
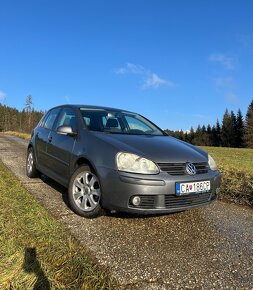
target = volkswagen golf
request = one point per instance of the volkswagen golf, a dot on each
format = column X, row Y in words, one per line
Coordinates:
column 111, row 159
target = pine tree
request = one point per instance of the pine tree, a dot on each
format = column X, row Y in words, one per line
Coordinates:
column 209, row 135
column 239, row 129
column 227, row 131
column 197, row 136
column 214, row 137
column 28, row 109
column 248, row 137
column 203, row 139
column 186, row 137
column 181, row 135
column 28, row 104
column 218, row 134
column 191, row 135
column 233, row 131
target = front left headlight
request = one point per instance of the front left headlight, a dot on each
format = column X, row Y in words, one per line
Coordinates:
column 212, row 163
column 129, row 162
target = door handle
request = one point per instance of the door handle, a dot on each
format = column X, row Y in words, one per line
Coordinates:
column 50, row 139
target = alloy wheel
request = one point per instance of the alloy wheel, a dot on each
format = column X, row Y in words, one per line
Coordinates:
column 86, row 191
column 30, row 162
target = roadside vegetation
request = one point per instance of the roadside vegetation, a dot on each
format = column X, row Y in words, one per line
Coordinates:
column 25, row 136
column 236, row 166
column 234, row 131
column 35, row 250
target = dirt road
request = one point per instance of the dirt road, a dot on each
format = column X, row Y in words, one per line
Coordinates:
column 206, row 248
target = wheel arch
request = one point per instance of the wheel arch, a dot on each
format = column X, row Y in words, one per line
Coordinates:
column 29, row 146
column 84, row 161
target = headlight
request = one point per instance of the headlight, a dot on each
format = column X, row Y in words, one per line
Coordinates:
column 133, row 163
column 212, row 163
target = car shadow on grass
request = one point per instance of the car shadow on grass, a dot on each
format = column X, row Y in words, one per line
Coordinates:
column 32, row 265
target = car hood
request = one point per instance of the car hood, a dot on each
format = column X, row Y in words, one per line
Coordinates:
column 160, row 149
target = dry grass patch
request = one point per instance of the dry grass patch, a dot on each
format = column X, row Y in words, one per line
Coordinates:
column 18, row 134
column 236, row 166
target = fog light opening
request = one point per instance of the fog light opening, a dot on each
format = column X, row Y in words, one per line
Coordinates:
column 136, row 200
column 218, row 190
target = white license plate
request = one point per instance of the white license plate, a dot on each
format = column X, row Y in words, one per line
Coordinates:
column 193, row 187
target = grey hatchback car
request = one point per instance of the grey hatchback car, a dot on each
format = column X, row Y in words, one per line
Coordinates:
column 116, row 160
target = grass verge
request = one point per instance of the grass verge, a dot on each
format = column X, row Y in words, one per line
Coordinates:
column 18, row 134
column 35, row 250
column 236, row 166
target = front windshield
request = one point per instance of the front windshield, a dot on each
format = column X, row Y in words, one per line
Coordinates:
column 117, row 122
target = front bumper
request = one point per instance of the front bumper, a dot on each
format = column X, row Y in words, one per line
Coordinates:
column 157, row 192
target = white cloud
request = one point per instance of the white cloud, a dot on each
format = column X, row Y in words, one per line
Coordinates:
column 151, row 80
column 2, row 96
column 227, row 62
column 154, row 81
column 131, row 68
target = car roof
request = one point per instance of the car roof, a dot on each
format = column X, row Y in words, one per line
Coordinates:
column 92, row 107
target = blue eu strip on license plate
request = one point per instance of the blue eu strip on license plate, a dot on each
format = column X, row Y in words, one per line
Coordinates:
column 177, row 188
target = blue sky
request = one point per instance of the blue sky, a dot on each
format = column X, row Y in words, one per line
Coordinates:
column 179, row 63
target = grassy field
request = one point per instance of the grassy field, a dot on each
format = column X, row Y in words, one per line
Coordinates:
column 236, row 165
column 35, row 251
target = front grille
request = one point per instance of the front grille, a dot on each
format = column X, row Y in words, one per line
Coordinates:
column 179, row 168
column 172, row 201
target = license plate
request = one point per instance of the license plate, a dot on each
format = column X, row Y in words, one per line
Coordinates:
column 193, row 187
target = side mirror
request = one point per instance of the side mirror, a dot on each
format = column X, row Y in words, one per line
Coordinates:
column 66, row 130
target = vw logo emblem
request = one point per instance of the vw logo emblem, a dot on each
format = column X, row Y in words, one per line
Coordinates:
column 190, row 168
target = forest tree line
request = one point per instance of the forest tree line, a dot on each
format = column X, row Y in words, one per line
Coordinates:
column 23, row 121
column 233, row 131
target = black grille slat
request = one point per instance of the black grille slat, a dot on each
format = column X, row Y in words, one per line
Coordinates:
column 184, row 200
column 179, row 168
column 172, row 201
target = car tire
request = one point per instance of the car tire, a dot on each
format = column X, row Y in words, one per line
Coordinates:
column 31, row 170
column 84, row 193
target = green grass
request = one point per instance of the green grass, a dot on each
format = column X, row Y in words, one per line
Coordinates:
column 236, row 166
column 35, row 249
